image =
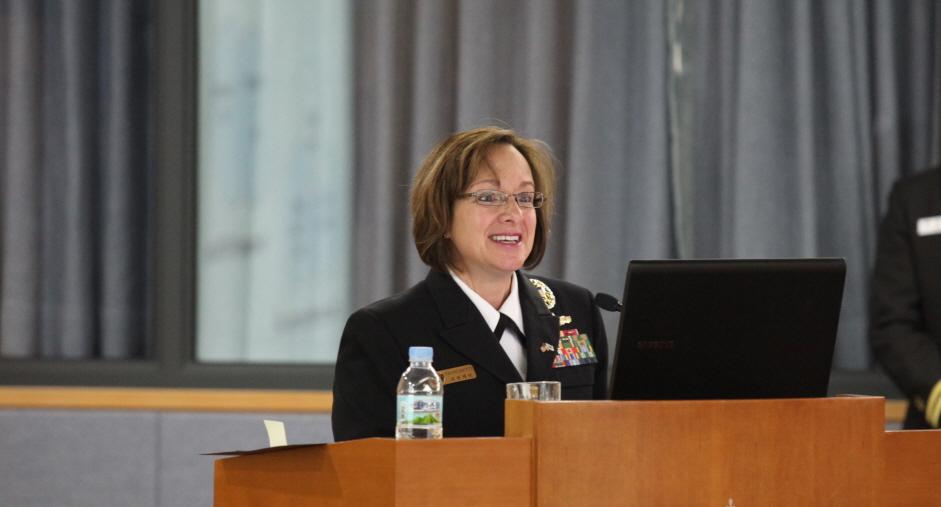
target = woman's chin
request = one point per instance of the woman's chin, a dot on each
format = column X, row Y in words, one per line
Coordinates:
column 510, row 266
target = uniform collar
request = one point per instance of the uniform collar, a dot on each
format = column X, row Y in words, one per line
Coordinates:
column 464, row 328
column 511, row 306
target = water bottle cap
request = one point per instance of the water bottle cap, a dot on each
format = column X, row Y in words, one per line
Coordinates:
column 420, row 353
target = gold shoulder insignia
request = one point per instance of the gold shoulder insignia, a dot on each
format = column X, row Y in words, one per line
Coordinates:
column 545, row 292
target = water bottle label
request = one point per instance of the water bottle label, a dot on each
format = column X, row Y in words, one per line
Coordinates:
column 420, row 410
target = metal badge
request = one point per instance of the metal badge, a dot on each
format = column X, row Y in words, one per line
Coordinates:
column 544, row 292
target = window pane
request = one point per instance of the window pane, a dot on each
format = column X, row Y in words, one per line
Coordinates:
column 274, row 179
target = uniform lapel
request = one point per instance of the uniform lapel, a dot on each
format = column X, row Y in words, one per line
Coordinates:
column 466, row 330
column 542, row 327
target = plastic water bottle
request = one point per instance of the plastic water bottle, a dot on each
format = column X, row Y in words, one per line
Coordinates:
column 420, row 398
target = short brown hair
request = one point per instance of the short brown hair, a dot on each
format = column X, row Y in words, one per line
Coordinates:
column 449, row 170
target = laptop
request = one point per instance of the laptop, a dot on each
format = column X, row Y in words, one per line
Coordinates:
column 727, row 329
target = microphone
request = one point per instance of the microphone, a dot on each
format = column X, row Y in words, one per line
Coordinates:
column 608, row 302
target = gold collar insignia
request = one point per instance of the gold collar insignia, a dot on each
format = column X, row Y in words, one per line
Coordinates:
column 544, row 292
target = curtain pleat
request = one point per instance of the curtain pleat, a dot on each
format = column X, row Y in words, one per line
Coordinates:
column 124, row 181
column 73, row 241
column 383, row 62
column 75, row 207
column 22, row 225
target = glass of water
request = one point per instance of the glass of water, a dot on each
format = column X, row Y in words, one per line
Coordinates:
column 540, row 391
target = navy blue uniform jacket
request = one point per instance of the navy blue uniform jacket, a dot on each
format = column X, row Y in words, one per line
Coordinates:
column 436, row 313
column 905, row 324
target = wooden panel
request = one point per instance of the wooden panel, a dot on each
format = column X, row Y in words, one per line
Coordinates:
column 464, row 472
column 306, row 476
column 704, row 453
column 912, row 475
column 381, row 472
column 131, row 398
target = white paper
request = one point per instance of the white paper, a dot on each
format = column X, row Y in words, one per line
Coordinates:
column 277, row 437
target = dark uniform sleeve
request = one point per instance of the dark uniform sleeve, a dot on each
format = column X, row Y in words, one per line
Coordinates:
column 600, row 344
column 367, row 372
column 897, row 327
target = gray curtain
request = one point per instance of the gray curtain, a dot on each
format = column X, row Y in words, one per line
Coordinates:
column 74, row 208
column 589, row 78
column 793, row 119
column 683, row 128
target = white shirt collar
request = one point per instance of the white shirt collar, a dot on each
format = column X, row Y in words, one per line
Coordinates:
column 511, row 307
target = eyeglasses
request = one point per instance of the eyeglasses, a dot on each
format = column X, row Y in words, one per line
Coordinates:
column 498, row 198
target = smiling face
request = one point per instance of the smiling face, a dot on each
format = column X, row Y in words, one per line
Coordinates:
column 491, row 242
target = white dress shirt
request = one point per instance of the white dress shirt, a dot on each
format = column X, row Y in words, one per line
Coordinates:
column 511, row 308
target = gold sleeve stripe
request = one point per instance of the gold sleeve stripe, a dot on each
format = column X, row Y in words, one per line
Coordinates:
column 933, row 410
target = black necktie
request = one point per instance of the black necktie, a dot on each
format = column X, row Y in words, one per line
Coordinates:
column 507, row 323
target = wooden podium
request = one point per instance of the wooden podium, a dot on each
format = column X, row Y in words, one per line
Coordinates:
column 825, row 451
column 381, row 471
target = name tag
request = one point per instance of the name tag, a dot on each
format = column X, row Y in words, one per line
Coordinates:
column 458, row 374
column 929, row 226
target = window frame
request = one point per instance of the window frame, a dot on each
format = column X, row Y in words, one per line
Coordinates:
column 172, row 293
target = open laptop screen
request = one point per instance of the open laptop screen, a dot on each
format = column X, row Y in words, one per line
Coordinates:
column 724, row 329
